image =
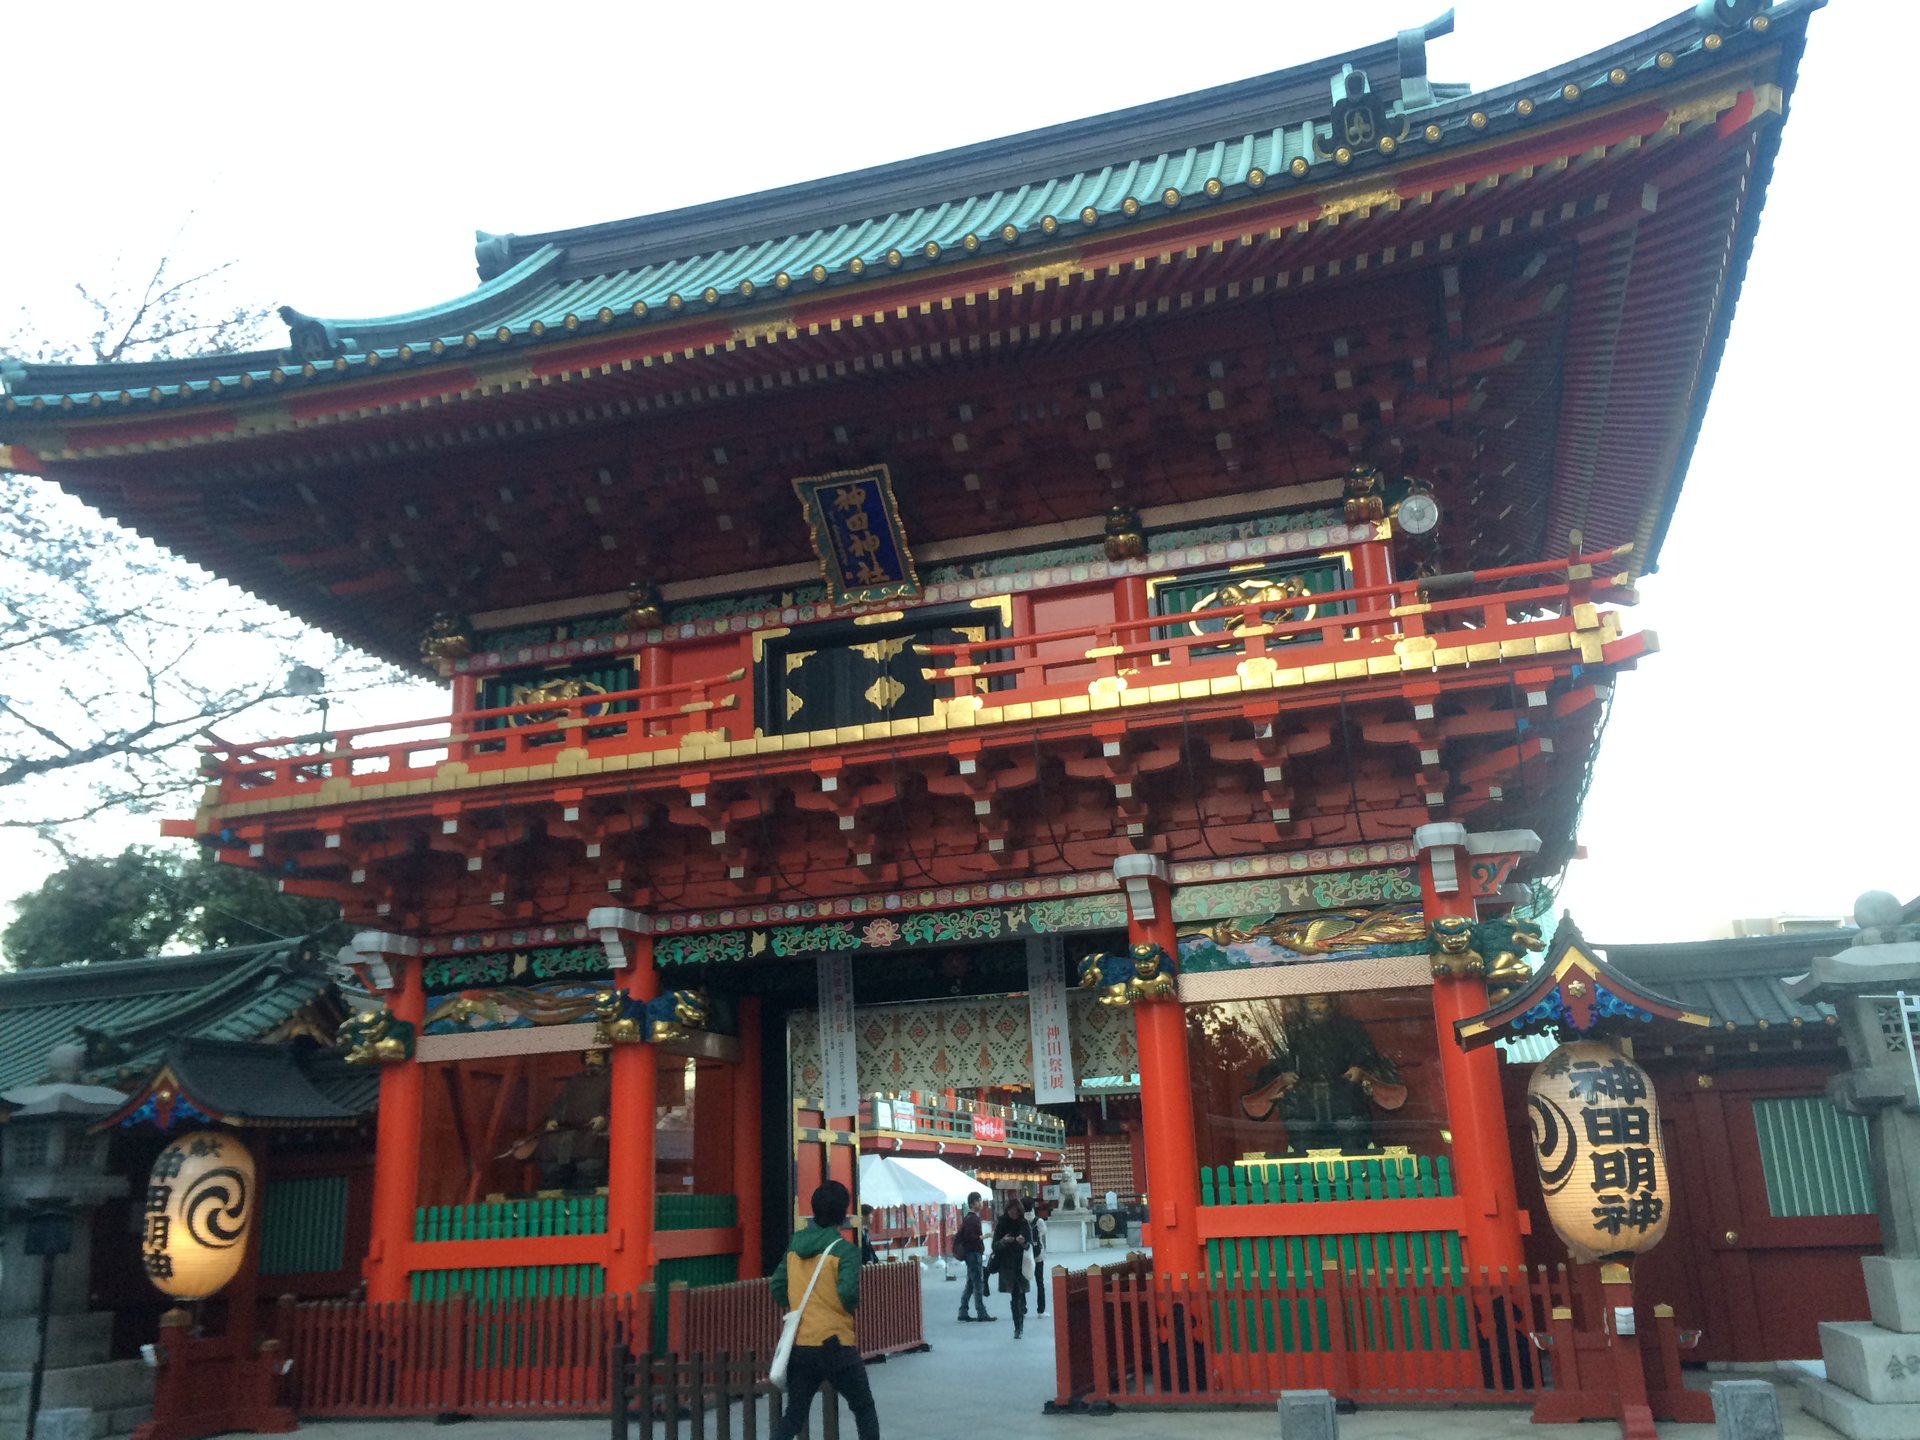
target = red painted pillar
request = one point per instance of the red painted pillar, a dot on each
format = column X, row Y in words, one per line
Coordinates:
column 632, row 1120
column 1172, row 1181
column 1373, row 565
column 747, row 1137
column 396, row 1145
column 1476, row 1111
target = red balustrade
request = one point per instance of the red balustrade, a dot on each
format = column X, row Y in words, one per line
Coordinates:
column 533, row 1354
column 1504, row 613
column 1126, row 1337
column 742, row 1317
column 1200, row 644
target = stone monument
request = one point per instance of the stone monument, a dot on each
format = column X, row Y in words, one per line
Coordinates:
column 1872, row 1389
column 52, row 1162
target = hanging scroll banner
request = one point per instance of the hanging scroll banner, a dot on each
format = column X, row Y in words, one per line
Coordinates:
column 854, row 523
column 839, row 1052
column 1047, row 1013
column 1596, row 1139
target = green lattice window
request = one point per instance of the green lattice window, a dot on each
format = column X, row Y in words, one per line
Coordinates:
column 1816, row 1160
column 303, row 1226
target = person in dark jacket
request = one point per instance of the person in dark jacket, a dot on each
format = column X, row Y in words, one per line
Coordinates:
column 868, row 1255
column 971, row 1249
column 824, row 1348
column 1012, row 1240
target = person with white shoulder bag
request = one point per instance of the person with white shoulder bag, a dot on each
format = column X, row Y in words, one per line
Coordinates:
column 817, row 1341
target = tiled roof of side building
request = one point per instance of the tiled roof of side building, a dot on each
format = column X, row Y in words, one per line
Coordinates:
column 1037, row 190
column 127, row 1012
column 1739, row 982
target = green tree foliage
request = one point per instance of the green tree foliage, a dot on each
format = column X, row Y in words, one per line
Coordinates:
column 144, row 901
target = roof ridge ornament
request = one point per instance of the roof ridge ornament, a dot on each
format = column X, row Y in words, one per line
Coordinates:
column 1416, row 90
column 1360, row 121
column 308, row 338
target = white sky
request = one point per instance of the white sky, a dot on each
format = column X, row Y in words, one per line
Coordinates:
column 345, row 154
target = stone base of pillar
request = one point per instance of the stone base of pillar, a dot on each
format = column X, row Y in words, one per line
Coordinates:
column 1873, row 1381
column 1854, row 1417
column 117, row 1394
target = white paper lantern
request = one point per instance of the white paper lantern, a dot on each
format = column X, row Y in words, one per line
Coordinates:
column 200, row 1201
column 1596, row 1141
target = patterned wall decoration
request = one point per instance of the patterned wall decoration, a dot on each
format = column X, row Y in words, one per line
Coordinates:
column 471, row 971
column 1253, row 901
column 1254, row 941
column 963, row 1044
column 510, row 1007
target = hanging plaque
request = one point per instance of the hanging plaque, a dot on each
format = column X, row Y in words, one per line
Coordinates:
column 839, row 1051
column 1596, row 1139
column 855, row 526
column 1047, row 1014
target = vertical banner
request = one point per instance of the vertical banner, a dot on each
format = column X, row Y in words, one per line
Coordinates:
column 1047, row 1013
column 839, row 1054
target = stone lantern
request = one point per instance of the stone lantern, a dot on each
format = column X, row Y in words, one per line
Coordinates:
column 50, row 1162
column 1873, row 1382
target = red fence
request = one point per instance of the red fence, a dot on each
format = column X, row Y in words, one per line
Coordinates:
column 547, row 1354
column 740, row 1317
column 1127, row 1337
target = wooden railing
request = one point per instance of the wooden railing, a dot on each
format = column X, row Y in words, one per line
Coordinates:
column 533, row 1354
column 1361, row 624
column 1136, row 1339
column 1486, row 615
column 501, row 737
column 742, row 1316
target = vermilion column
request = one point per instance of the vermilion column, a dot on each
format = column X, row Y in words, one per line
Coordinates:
column 1372, row 565
column 747, row 1138
column 632, row 1111
column 396, row 1144
column 1172, row 1181
column 1476, row 1113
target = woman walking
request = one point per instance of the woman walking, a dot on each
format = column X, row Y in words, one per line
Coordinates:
column 1013, row 1259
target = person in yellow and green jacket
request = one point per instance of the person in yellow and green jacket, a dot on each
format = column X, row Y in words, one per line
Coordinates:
column 824, row 1348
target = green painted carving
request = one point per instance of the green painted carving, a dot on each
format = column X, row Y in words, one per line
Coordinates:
column 1082, row 912
column 717, row 947
column 832, row 935
column 503, row 967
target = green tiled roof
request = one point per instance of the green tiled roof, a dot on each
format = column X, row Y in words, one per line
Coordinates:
column 1025, row 194
column 127, row 1012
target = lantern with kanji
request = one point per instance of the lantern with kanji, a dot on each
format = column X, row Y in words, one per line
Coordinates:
column 1596, row 1139
column 199, row 1207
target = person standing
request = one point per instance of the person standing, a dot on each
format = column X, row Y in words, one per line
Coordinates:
column 1039, row 1225
column 972, row 1250
column 868, row 1255
column 824, row 1348
column 1013, row 1259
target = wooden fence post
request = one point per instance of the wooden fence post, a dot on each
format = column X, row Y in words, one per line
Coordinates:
column 1102, row 1390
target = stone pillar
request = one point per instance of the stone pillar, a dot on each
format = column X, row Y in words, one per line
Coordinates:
column 1476, row 1111
column 391, row 963
column 1172, row 1181
column 632, row 1118
column 1873, row 1383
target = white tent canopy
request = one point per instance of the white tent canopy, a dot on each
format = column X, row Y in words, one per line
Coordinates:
column 914, row 1180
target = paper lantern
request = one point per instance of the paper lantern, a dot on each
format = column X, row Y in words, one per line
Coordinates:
column 1596, row 1140
column 199, row 1208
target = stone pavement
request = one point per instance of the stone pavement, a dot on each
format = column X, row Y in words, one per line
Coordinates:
column 979, row 1381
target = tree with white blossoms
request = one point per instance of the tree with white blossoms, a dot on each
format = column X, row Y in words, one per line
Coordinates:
column 116, row 657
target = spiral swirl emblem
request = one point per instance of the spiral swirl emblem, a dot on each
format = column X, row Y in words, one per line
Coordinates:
column 1556, row 1146
column 215, row 1208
